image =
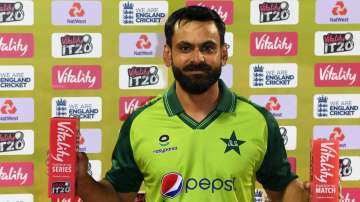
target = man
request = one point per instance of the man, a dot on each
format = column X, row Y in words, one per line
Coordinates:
column 199, row 141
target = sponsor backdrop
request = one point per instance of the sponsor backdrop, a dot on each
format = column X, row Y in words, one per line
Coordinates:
column 101, row 60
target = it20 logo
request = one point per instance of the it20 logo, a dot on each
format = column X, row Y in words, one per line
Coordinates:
column 12, row 141
column 272, row 12
column 143, row 76
column 11, row 12
column 60, row 187
column 76, row 44
column 336, row 43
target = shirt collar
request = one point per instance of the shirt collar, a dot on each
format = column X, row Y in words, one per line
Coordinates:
column 226, row 103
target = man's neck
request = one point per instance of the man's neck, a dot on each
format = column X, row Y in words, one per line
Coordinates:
column 198, row 106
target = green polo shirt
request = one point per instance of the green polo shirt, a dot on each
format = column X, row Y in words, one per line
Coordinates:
column 217, row 159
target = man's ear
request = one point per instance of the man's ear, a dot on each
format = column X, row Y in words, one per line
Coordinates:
column 167, row 55
column 224, row 54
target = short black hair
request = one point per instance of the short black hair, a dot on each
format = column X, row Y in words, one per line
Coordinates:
column 193, row 13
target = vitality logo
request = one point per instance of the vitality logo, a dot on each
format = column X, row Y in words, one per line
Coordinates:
column 339, row 42
column 272, row 12
column 76, row 44
column 11, row 12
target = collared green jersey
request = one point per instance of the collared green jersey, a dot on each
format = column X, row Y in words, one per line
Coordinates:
column 217, row 159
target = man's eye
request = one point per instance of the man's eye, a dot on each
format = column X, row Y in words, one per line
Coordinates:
column 185, row 48
column 209, row 49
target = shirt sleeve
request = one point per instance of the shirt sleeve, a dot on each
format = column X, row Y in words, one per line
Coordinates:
column 275, row 171
column 124, row 174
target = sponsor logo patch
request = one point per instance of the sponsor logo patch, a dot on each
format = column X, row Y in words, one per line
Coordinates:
column 16, row 78
column 337, row 74
column 227, row 75
column 273, row 43
column 16, row 110
column 271, row 12
column 85, row 108
column 16, row 197
column 349, row 168
column 90, row 140
column 76, row 13
column 346, row 134
column 142, row 76
column 16, row 142
column 337, row 12
column 350, row 194
column 143, row 12
column 128, row 104
column 280, row 106
column 273, row 75
column 15, row 45
column 289, row 135
column 76, row 45
column 337, row 43
column 16, row 12
column 76, row 77
column 16, row 174
column 141, row 44
column 336, row 106
column 94, row 169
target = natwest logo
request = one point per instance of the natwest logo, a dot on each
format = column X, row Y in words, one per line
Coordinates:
column 280, row 106
column 339, row 9
column 16, row 174
column 13, row 45
column 76, row 77
column 84, row 13
column 8, row 107
column 337, row 74
column 337, row 134
column 273, row 43
column 223, row 8
column 143, row 42
column 273, row 104
column 172, row 184
column 129, row 104
column 76, row 10
column 16, row 110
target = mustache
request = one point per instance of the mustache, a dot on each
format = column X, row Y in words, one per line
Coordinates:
column 197, row 67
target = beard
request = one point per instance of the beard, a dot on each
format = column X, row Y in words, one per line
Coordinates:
column 196, row 83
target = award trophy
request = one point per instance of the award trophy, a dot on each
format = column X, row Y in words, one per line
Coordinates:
column 324, row 171
column 64, row 138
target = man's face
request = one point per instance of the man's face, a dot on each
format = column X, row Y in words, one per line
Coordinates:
column 196, row 55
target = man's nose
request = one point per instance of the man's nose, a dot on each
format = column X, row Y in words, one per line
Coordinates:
column 197, row 57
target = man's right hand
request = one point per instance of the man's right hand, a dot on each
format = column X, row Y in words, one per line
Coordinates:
column 82, row 166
